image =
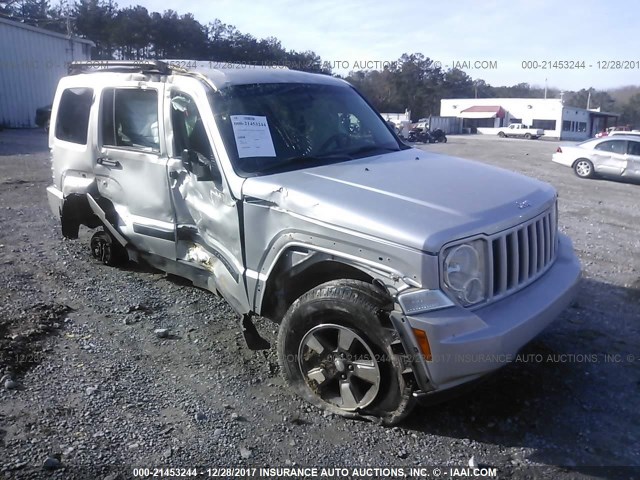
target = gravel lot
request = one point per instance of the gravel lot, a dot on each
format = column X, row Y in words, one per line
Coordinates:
column 93, row 391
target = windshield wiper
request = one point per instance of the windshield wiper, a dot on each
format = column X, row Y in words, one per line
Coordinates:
column 302, row 160
column 368, row 149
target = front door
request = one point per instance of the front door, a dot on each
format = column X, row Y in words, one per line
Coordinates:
column 207, row 217
column 131, row 165
column 633, row 152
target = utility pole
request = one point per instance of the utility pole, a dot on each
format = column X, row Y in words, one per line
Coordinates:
column 589, row 100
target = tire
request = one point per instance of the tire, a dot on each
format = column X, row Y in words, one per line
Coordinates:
column 501, row 134
column 335, row 351
column 527, row 136
column 583, row 168
column 107, row 250
column 444, row 140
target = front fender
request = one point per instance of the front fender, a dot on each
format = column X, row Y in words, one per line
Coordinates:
column 272, row 232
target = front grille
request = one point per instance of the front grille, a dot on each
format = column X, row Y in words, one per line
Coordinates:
column 521, row 254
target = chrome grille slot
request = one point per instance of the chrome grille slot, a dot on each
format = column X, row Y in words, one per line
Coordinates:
column 521, row 254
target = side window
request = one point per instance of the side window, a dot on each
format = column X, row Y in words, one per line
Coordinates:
column 188, row 128
column 130, row 118
column 72, row 121
column 613, row 146
column 633, row 148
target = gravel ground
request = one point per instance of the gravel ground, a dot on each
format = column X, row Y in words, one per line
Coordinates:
column 90, row 390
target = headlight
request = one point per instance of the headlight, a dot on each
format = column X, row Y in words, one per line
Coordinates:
column 464, row 272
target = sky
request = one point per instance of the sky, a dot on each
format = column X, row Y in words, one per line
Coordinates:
column 566, row 44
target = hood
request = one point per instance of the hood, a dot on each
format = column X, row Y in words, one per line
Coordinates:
column 413, row 198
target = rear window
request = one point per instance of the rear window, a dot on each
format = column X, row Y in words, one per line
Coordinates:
column 72, row 121
column 589, row 143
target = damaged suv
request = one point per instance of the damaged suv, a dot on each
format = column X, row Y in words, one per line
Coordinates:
column 394, row 273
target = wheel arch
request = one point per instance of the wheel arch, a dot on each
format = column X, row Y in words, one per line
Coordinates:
column 299, row 270
column 573, row 165
column 76, row 211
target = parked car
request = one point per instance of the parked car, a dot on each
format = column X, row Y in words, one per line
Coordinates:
column 611, row 130
column 520, row 130
column 617, row 155
column 624, row 132
column 393, row 273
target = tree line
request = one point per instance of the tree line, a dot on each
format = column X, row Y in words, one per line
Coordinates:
column 415, row 81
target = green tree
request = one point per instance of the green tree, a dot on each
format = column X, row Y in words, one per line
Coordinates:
column 95, row 20
column 630, row 113
column 457, row 84
column 131, row 33
column 591, row 97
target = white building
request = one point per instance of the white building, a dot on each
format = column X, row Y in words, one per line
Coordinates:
column 32, row 60
column 561, row 121
column 402, row 121
column 397, row 118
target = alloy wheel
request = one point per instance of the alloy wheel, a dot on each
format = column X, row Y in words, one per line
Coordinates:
column 339, row 366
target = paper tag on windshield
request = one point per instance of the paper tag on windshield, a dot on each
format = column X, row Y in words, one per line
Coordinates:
column 253, row 138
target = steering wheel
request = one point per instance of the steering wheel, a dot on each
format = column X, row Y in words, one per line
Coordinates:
column 341, row 139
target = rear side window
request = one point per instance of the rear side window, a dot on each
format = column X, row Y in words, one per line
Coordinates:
column 130, row 119
column 72, row 121
column 613, row 146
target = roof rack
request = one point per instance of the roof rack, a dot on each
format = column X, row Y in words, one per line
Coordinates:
column 142, row 66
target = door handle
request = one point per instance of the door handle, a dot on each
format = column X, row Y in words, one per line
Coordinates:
column 108, row 162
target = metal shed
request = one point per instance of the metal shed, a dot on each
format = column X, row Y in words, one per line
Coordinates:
column 32, row 60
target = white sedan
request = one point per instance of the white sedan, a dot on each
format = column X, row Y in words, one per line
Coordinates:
column 616, row 156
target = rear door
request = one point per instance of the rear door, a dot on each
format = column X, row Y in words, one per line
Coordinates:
column 610, row 157
column 131, row 165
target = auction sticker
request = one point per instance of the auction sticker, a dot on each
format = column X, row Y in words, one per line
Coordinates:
column 253, row 138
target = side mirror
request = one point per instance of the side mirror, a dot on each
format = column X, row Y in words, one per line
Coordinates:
column 200, row 166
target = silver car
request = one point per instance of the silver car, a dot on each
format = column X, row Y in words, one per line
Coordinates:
column 617, row 155
column 394, row 273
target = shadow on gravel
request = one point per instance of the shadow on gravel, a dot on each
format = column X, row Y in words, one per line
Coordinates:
column 23, row 141
column 626, row 180
column 570, row 395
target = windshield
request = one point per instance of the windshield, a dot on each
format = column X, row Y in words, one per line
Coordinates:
column 277, row 127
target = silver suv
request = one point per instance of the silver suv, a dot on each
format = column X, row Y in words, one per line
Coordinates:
column 394, row 273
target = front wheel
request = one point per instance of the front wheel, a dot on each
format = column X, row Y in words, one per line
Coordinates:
column 338, row 351
column 583, row 168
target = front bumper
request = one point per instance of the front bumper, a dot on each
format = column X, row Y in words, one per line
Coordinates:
column 467, row 344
